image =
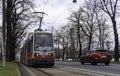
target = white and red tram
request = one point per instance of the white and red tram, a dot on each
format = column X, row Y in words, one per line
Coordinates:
column 38, row 49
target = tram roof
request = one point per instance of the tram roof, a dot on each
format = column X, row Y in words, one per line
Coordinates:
column 39, row 32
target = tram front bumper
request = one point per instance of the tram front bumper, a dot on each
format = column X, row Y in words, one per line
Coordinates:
column 43, row 61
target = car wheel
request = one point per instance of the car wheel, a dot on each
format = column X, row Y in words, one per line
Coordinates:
column 82, row 61
column 92, row 61
column 107, row 63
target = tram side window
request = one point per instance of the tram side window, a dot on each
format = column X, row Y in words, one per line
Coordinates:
column 28, row 51
column 25, row 49
column 30, row 45
column 31, row 42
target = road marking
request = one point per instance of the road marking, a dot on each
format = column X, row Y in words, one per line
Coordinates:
column 91, row 71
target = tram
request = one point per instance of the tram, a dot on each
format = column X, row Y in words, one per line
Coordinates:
column 38, row 49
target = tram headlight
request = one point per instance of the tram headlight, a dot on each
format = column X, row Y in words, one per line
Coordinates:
column 36, row 54
column 50, row 54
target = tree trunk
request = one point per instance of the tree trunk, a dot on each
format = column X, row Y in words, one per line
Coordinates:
column 80, row 45
column 58, row 49
column 89, row 44
column 63, row 55
column 116, row 50
column 12, row 53
column 8, row 41
column 3, row 33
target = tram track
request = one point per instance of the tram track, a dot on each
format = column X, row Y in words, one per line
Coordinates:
column 86, row 72
column 39, row 72
column 61, row 71
column 75, row 72
column 32, row 71
column 68, row 71
column 48, row 74
column 58, row 70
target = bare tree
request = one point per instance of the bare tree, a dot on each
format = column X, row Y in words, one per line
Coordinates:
column 103, row 29
column 72, row 42
column 89, row 21
column 75, row 20
column 65, row 37
column 16, row 13
column 57, row 43
column 63, row 41
column 110, row 7
column 103, row 33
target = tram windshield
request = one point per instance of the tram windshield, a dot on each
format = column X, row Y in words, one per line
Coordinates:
column 43, row 40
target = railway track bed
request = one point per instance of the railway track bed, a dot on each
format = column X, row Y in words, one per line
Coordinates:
column 56, row 71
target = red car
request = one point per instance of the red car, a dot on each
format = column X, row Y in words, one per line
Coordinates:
column 96, row 56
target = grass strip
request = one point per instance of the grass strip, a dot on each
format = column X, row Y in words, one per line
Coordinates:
column 10, row 70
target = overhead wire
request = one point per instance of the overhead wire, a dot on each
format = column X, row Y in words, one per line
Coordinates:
column 60, row 15
column 45, row 2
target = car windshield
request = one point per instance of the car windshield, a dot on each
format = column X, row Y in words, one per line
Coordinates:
column 101, row 51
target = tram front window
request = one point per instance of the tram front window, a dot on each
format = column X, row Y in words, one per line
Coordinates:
column 42, row 40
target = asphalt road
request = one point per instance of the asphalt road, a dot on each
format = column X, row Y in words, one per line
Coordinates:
column 112, row 68
column 71, row 69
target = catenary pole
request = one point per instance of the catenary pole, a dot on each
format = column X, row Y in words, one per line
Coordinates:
column 41, row 18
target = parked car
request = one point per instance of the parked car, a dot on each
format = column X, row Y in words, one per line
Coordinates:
column 96, row 56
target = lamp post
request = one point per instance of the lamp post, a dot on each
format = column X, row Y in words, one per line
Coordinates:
column 74, row 1
column 41, row 18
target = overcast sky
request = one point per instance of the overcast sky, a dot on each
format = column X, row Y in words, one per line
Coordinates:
column 58, row 11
